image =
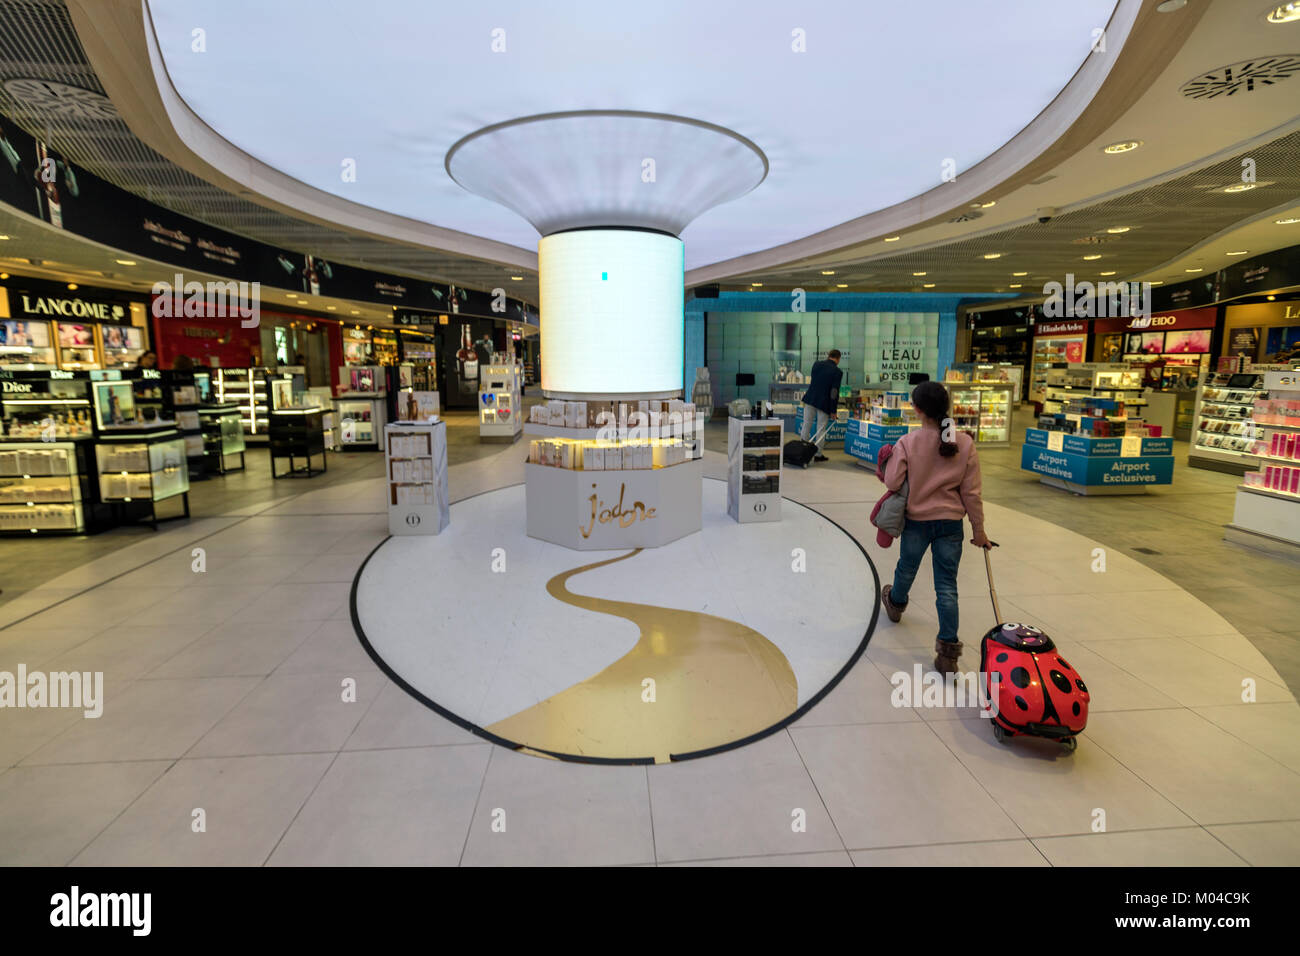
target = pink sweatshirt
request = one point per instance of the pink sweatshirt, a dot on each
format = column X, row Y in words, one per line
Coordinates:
column 938, row 488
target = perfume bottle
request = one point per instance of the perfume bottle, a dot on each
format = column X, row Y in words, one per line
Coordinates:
column 48, row 190
column 467, row 358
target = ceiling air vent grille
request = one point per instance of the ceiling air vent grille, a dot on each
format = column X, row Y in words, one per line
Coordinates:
column 1244, row 77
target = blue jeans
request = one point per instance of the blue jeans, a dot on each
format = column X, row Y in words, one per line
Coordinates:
column 944, row 539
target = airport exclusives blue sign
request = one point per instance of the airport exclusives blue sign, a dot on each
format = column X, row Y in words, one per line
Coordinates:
column 1083, row 445
column 863, row 440
column 837, row 432
column 1097, row 470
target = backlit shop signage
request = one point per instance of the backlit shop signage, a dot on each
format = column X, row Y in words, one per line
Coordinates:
column 1061, row 328
column 1186, row 319
column 58, row 307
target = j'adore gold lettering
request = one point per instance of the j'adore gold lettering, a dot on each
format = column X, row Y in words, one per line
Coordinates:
column 607, row 515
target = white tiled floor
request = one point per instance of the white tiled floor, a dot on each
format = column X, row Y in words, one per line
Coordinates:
column 226, row 694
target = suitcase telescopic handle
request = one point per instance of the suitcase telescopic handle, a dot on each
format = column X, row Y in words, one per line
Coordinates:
column 993, row 593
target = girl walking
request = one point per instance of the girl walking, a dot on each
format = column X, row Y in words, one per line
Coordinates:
column 942, row 470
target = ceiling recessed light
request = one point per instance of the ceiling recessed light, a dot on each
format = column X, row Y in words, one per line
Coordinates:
column 1157, row 281
column 1271, row 298
column 356, row 311
column 1125, row 147
column 841, row 285
column 1015, row 285
column 1110, row 273
column 992, row 255
column 72, row 286
column 330, row 308
column 828, row 272
column 125, row 262
column 757, row 285
column 1020, row 273
column 3, row 238
column 1239, row 252
column 1118, row 230
column 918, row 273
column 989, row 205
column 1169, row 6
column 928, row 285
column 1093, row 257
column 1238, row 187
column 1286, row 222
column 4, row 275
column 1286, row 13
column 1193, row 270
column 292, row 295
column 892, row 238
column 516, row 278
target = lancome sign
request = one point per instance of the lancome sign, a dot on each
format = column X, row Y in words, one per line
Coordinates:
column 34, row 306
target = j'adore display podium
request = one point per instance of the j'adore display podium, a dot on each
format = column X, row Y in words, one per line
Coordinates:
column 615, row 464
column 416, row 462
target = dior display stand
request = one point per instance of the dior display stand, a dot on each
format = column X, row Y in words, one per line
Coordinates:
column 416, row 462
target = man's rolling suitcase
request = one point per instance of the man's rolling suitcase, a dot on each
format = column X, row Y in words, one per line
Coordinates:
column 1035, row 691
column 799, row 453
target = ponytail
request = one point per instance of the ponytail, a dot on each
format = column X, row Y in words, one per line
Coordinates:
column 931, row 399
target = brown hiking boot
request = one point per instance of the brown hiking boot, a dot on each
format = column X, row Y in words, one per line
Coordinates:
column 892, row 610
column 945, row 656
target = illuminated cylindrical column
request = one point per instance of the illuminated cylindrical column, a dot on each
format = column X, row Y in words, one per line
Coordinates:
column 613, row 306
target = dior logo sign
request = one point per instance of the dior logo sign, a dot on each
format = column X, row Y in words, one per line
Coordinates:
column 412, row 519
column 760, row 507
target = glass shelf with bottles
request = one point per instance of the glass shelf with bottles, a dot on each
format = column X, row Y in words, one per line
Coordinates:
column 983, row 412
column 47, row 418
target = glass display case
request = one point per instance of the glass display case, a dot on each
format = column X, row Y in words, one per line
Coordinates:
column 500, row 404
column 983, row 412
column 43, row 487
column 39, row 407
column 26, row 344
column 126, row 404
column 142, row 469
column 297, row 436
column 223, row 438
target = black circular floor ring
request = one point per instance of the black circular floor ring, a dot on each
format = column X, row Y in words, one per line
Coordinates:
column 487, row 735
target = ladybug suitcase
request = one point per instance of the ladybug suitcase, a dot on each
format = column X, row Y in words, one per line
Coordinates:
column 1030, row 688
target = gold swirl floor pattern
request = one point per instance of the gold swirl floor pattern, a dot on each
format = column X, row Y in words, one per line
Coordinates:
column 692, row 681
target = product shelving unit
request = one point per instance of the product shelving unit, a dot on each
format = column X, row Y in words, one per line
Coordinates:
column 1266, row 517
column 247, row 389
column 1050, row 351
column 500, row 404
column 754, row 469
column 416, row 465
column 1223, row 419
column 1087, row 380
column 44, row 486
column 139, row 467
column 983, row 412
column 362, row 410
column 889, row 418
column 297, row 435
column 223, row 437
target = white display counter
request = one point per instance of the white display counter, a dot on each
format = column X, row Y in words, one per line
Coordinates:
column 754, row 469
column 614, row 510
column 500, row 410
column 416, row 464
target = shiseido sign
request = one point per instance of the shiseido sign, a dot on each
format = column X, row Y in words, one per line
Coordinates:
column 32, row 305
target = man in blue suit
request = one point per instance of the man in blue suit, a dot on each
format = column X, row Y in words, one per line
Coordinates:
column 823, row 397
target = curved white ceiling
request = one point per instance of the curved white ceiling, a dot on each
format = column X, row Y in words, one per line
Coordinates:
column 864, row 119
